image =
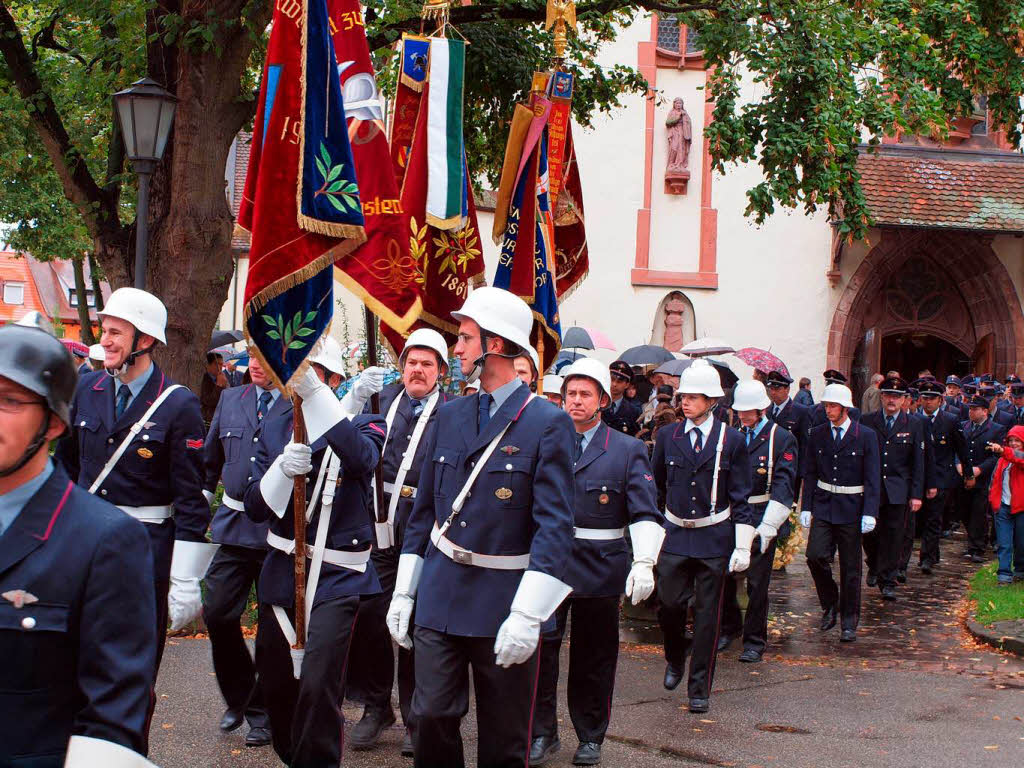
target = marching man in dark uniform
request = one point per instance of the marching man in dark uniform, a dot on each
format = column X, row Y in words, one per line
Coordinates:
column 901, row 446
column 614, row 489
column 136, row 441
column 231, row 445
column 842, row 474
column 76, row 587
column 702, row 471
column 623, row 415
column 411, row 405
column 303, row 692
column 774, row 460
column 485, row 551
column 1017, row 402
column 818, row 415
column 790, row 415
column 946, row 448
column 953, row 401
column 979, row 430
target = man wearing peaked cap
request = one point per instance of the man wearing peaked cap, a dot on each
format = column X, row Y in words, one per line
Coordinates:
column 818, row 417
column 901, row 446
column 979, row 430
column 614, row 489
column 1017, row 402
column 790, row 415
column 622, row 415
column 840, row 504
column 945, row 450
column 1001, row 416
column 78, row 640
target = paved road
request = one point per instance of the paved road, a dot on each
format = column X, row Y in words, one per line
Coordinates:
column 912, row 691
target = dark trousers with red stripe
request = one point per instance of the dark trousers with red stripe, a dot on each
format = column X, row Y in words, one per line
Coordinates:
column 306, row 722
column 754, row 625
column 504, row 702
column 682, row 580
column 593, row 653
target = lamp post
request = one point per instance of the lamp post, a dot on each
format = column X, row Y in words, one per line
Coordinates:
column 146, row 113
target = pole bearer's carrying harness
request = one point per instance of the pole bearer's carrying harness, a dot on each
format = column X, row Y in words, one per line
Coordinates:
column 464, row 556
column 151, row 514
column 765, row 497
column 714, row 517
column 385, row 532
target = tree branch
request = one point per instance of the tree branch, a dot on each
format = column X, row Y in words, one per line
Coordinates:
column 472, row 14
column 79, row 186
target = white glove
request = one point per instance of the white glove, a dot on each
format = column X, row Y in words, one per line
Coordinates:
column 867, row 524
column 407, row 580
column 775, row 515
column 740, row 559
column 208, row 495
column 296, row 459
column 647, row 537
column 88, row 752
column 184, row 602
column 306, row 385
column 320, row 406
column 805, row 518
column 189, row 562
column 369, row 383
column 536, row 599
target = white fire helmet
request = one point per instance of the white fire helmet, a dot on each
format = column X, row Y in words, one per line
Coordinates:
column 140, row 308
column 839, row 394
column 700, row 379
column 750, row 396
column 591, row 369
column 499, row 313
column 329, row 355
column 426, row 338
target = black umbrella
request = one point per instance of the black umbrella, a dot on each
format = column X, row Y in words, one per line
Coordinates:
column 646, row 354
column 674, row 367
column 224, row 338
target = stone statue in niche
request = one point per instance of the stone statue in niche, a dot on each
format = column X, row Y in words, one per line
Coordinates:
column 675, row 311
column 679, row 131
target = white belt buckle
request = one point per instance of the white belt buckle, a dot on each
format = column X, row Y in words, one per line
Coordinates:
column 462, row 556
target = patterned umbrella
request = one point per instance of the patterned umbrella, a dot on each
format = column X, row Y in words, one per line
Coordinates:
column 762, row 360
column 77, row 348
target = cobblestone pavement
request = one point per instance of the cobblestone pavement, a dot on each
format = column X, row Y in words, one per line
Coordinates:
column 914, row 690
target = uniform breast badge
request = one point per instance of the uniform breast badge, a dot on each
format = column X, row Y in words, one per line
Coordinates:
column 145, row 453
column 603, row 498
column 509, row 450
column 504, row 493
column 762, row 471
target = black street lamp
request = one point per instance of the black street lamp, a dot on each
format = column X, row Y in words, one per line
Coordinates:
column 146, row 113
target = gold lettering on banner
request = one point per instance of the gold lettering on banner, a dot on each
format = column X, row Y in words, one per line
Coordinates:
column 291, row 131
column 290, row 8
column 382, row 207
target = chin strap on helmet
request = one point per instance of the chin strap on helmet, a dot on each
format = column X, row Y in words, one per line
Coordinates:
column 130, row 360
column 33, row 448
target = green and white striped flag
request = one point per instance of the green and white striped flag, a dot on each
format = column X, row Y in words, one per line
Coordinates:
column 446, row 180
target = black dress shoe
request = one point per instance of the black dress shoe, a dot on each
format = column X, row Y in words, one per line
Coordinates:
column 872, row 578
column 698, row 706
column 257, row 737
column 926, row 568
column 977, row 559
column 367, row 731
column 673, row 675
column 848, row 636
column 828, row 618
column 587, row 753
column 543, row 749
column 750, row 656
column 901, row 575
column 407, row 745
column 888, row 593
column 724, row 641
column 231, row 720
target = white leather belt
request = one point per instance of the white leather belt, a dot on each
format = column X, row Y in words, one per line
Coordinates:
column 764, row 498
column 153, row 515
column 848, row 489
column 599, row 534
column 406, row 491
column 699, row 522
column 465, row 557
column 355, row 561
column 231, row 503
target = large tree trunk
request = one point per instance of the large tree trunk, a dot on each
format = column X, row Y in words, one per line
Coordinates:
column 83, row 302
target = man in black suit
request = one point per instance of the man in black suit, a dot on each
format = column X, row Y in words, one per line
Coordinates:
column 979, row 430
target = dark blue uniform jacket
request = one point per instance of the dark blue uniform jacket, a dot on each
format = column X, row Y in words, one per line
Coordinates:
column 625, row 420
column 520, row 503
column 856, row 462
column 901, row 455
column 977, row 456
column 946, row 447
column 614, row 488
column 80, row 660
column 785, row 463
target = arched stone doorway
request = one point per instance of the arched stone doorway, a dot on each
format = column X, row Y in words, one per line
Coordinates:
column 945, row 294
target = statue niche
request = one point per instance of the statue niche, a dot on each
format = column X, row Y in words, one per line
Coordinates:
column 674, row 325
column 679, row 132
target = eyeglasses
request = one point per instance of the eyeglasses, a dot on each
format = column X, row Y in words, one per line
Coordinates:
column 14, row 405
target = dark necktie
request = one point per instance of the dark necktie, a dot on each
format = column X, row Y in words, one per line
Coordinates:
column 698, row 440
column 889, row 421
column 263, row 406
column 484, row 411
column 839, row 435
column 749, row 433
column 417, row 407
column 579, row 447
column 124, row 394
column 775, row 413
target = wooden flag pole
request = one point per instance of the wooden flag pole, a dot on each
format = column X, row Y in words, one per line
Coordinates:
column 299, row 509
column 371, row 359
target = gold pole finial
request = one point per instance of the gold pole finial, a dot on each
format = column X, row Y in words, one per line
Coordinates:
column 562, row 16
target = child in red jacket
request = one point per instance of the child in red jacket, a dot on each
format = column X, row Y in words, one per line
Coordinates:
column 1006, row 495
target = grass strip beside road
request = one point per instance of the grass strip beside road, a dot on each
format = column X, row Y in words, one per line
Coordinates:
column 996, row 603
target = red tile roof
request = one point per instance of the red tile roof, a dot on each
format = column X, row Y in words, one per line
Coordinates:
column 240, row 238
column 965, row 191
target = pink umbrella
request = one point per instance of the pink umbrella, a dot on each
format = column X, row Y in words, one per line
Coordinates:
column 579, row 337
column 762, row 360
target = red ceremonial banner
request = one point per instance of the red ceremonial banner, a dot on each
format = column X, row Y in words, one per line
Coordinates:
column 572, row 259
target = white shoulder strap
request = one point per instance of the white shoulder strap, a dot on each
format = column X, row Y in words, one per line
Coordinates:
column 771, row 457
column 718, row 466
column 388, row 421
column 135, row 429
column 461, row 498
